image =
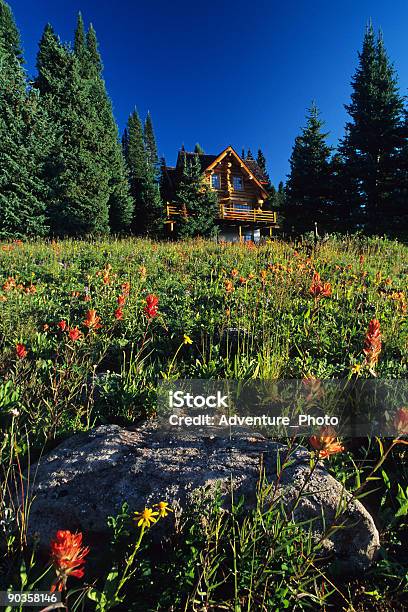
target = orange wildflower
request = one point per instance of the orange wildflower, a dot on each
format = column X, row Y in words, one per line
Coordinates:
column 372, row 344
column 106, row 274
column 142, row 273
column 118, row 314
column 234, row 273
column 68, row 557
column 125, row 288
column 317, row 288
column 121, row 300
column 9, row 284
column 326, row 443
column 401, row 421
column 74, row 334
column 21, row 351
column 229, row 286
column 92, row 321
column 151, row 308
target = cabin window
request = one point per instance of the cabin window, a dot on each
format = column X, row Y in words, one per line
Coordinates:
column 244, row 207
column 215, row 181
column 238, row 183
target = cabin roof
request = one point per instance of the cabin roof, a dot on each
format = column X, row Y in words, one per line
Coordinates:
column 207, row 160
column 174, row 173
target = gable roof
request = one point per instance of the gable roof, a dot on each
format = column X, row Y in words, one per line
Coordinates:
column 244, row 164
column 173, row 174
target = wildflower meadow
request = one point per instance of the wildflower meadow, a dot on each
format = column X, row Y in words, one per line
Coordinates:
column 89, row 329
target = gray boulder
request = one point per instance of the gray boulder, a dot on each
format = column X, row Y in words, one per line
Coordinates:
column 89, row 476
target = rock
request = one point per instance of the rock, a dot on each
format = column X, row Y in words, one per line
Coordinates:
column 89, row 476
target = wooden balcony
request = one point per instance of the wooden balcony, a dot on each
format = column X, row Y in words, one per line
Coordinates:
column 254, row 215
column 230, row 213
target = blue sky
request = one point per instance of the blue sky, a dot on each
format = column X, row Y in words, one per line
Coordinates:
column 230, row 72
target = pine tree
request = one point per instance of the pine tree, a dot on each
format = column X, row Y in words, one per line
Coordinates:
column 308, row 186
column 79, row 184
column 120, row 203
column 200, row 203
column 199, row 149
column 22, row 141
column 372, row 140
column 148, row 208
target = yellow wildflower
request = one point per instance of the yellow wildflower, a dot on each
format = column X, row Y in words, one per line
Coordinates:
column 187, row 339
column 145, row 518
column 163, row 509
column 356, row 368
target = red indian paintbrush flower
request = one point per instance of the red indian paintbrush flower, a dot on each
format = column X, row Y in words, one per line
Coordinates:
column 326, row 443
column 74, row 334
column 118, row 314
column 372, row 343
column 21, row 351
column 92, row 321
column 317, row 288
column 121, row 300
column 62, row 325
column 151, row 309
column 68, row 557
column 126, row 288
column 401, row 421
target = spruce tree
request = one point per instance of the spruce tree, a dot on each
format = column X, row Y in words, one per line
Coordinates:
column 80, row 46
column 120, row 203
column 79, row 184
column 261, row 161
column 200, row 204
column 199, row 149
column 150, row 143
column 148, row 208
column 372, row 140
column 22, row 141
column 308, row 186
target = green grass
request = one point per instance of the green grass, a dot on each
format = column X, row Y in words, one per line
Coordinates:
column 249, row 313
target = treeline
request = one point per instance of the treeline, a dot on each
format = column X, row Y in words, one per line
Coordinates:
column 63, row 170
column 363, row 184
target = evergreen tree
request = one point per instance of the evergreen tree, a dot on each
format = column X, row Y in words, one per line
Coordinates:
column 120, row 203
column 249, row 155
column 261, row 161
column 150, row 143
column 308, row 186
column 369, row 150
column 148, row 208
column 199, row 149
column 79, row 184
column 22, row 142
column 80, row 46
column 200, row 203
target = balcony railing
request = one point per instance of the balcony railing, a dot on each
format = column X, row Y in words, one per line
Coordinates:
column 230, row 213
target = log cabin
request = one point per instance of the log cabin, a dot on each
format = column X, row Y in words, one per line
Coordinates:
column 241, row 188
